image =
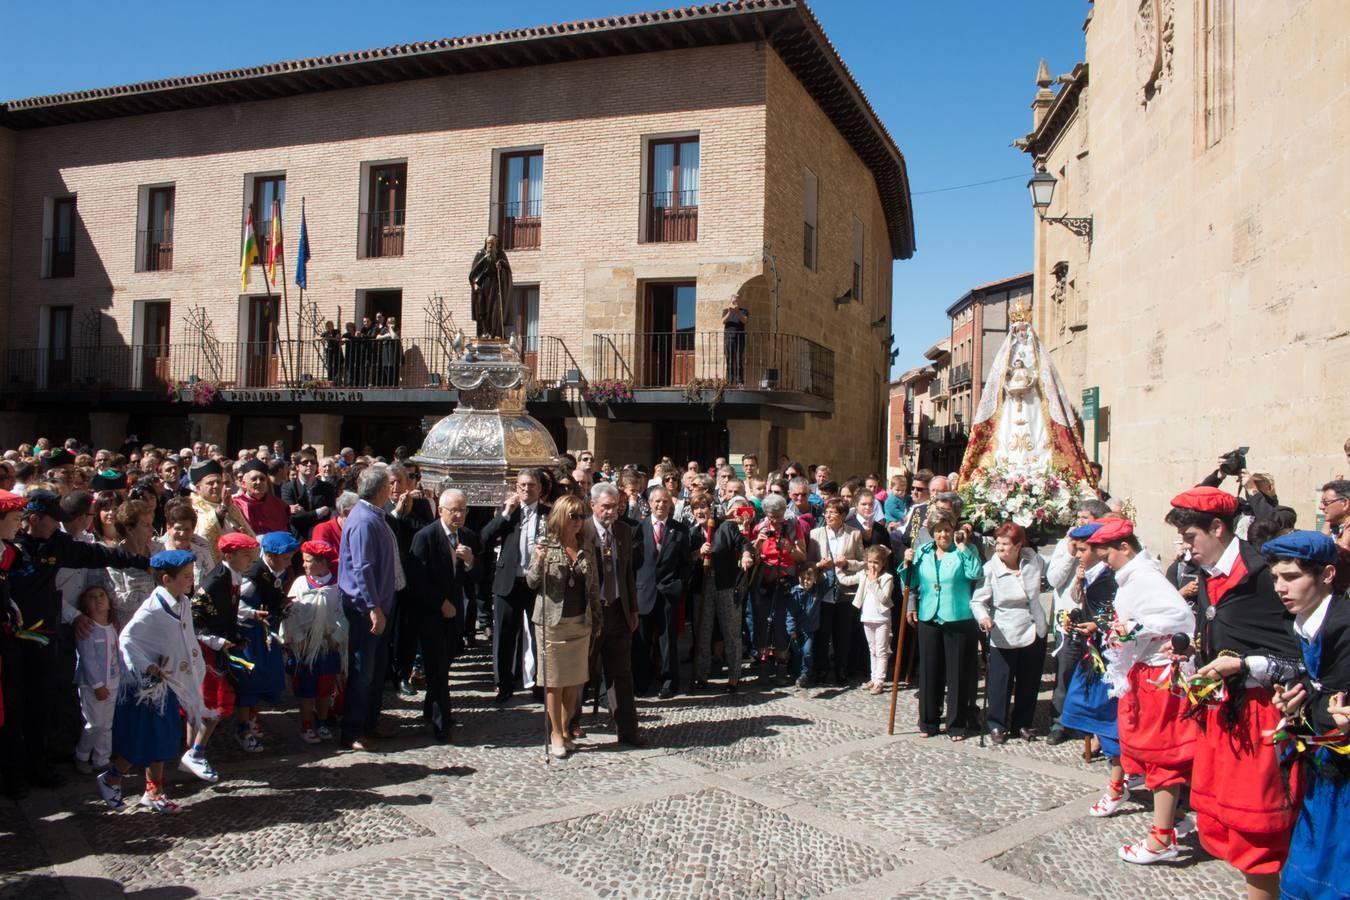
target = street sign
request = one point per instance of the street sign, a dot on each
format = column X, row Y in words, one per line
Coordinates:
column 1091, row 396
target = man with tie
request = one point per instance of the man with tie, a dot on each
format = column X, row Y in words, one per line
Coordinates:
column 442, row 556
column 308, row 496
column 613, row 542
column 514, row 531
column 662, row 561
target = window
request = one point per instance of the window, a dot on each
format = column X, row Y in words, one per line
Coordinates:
column 668, row 346
column 809, row 223
column 154, row 240
column 60, row 240
column 857, row 261
column 522, row 321
column 385, row 215
column 59, row 345
column 672, row 202
column 521, row 200
column 267, row 190
column 155, row 345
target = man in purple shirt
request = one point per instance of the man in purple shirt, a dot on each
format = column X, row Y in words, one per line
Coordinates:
column 368, row 575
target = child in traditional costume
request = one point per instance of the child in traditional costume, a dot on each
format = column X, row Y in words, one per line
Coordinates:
column 1155, row 736
column 1314, row 736
column 262, row 606
column 215, row 614
column 162, row 685
column 97, row 675
column 1244, row 810
column 315, row 634
column 1089, row 707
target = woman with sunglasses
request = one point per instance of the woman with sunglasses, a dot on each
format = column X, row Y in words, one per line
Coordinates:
column 567, row 616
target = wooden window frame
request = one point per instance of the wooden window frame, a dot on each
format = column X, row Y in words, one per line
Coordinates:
column 519, row 232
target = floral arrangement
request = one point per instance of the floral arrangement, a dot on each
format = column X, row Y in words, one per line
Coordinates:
column 1040, row 502
column 696, row 388
column 202, row 393
column 609, row 390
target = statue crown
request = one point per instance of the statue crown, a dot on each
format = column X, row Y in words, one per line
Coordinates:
column 1021, row 312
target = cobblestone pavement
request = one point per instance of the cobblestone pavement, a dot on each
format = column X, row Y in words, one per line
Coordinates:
column 772, row 792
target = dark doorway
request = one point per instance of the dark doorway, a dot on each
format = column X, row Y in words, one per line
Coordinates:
column 155, row 346
column 683, row 441
column 389, row 303
column 261, row 351
column 58, row 345
column 667, row 348
column 382, row 434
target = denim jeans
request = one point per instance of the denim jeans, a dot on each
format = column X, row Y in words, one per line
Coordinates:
column 367, row 663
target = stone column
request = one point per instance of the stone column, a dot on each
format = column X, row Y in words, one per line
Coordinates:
column 586, row 433
column 212, row 428
column 17, row 428
column 750, row 436
column 107, row 430
column 321, row 431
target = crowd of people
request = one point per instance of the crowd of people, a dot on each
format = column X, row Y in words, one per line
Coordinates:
column 369, row 356
column 156, row 598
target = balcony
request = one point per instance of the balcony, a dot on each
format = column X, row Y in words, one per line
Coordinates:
column 406, row 364
column 956, row 432
column 935, row 434
column 154, row 250
column 960, row 376
column 672, row 216
column 936, row 389
column 662, row 360
column 382, row 233
column 520, row 224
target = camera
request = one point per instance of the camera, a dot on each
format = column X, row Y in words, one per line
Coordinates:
column 1234, row 461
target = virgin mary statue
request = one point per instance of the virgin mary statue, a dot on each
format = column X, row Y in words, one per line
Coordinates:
column 1024, row 424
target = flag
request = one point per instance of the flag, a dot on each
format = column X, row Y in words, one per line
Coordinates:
column 274, row 244
column 250, row 252
column 302, row 254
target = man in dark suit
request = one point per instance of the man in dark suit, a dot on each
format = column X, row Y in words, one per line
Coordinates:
column 409, row 511
column 513, row 532
column 661, row 559
column 442, row 557
column 613, row 542
column 310, row 498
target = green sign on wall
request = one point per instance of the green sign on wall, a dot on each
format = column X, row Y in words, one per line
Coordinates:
column 1090, row 397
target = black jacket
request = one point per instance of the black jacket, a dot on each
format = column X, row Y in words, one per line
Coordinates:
column 316, row 496
column 663, row 574
column 503, row 533
column 434, row 576
column 1250, row 619
column 268, row 593
column 1333, row 671
column 32, row 576
column 729, row 544
column 215, row 606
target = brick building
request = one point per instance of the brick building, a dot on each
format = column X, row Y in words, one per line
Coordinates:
column 633, row 200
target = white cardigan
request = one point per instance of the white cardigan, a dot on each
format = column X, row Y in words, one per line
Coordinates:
column 1015, row 597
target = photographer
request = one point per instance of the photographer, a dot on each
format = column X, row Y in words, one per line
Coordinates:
column 1256, row 490
column 780, row 546
column 409, row 511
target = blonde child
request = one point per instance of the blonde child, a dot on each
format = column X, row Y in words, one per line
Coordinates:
column 875, row 587
column 163, row 685
column 97, row 673
column 315, row 634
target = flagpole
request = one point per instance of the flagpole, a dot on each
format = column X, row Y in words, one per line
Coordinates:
column 285, row 297
column 267, row 286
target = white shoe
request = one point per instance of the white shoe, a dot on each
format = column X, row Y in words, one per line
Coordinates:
column 159, row 803
column 1108, row 805
column 1141, row 854
column 198, row 766
column 1133, row 782
column 111, row 793
column 557, row 752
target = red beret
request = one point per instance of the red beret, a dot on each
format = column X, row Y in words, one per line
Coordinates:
column 1112, row 530
column 236, row 540
column 10, row 502
column 1207, row 500
column 320, row 548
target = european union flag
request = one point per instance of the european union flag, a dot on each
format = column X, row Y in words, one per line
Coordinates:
column 302, row 255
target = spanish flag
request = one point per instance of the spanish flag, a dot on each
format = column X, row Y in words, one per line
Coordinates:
column 274, row 245
column 250, row 252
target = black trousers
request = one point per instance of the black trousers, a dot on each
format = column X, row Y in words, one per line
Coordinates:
column 615, row 655
column 769, row 600
column 29, row 675
column 656, row 653
column 437, row 654
column 834, row 639
column 407, row 623
column 1014, row 679
column 1065, row 663
column 509, row 614
column 733, row 345
column 949, row 660
column 66, row 720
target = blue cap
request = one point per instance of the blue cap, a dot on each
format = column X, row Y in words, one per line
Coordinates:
column 171, row 559
column 1310, row 546
column 278, row 542
column 1083, row 532
column 44, row 503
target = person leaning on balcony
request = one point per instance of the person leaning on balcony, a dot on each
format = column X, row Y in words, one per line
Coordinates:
column 263, row 510
column 945, row 573
column 332, row 352
column 734, row 318
column 389, row 353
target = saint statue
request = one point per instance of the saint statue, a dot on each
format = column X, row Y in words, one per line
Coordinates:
column 490, row 282
column 1024, row 424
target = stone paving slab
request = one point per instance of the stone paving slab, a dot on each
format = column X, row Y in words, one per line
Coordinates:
column 928, row 794
column 706, row 844
column 444, row 872
column 954, row 888
column 1081, row 859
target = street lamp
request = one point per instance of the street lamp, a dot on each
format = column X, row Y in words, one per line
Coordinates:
column 1042, row 188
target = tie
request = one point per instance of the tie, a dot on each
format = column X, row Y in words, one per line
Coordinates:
column 526, row 537
column 659, row 531
column 607, row 561
column 454, row 560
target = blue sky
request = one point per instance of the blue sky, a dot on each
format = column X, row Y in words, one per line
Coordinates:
column 952, row 81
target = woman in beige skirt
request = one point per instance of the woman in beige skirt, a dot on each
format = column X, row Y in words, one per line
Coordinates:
column 567, row 615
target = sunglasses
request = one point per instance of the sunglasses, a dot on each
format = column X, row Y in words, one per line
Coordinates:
column 577, row 517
